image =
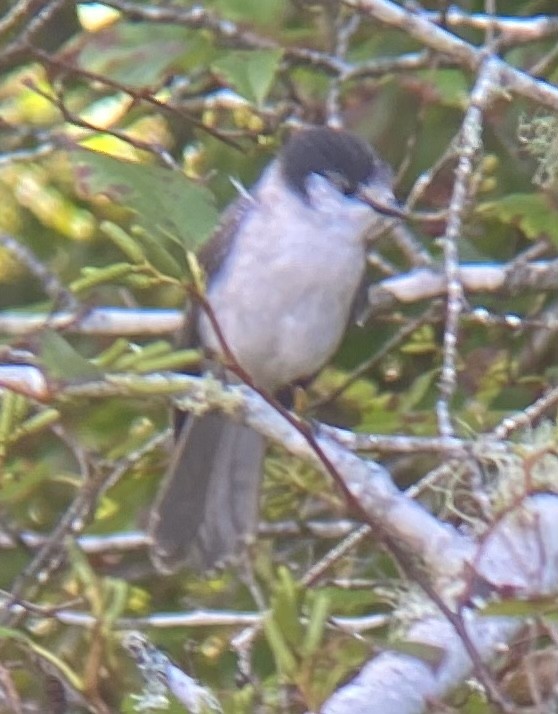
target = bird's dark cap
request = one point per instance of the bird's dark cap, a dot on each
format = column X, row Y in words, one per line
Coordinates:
column 328, row 152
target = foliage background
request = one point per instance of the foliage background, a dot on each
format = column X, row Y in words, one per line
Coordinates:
column 176, row 100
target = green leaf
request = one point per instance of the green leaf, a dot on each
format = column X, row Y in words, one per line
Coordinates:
column 61, row 359
column 317, row 619
column 530, row 212
column 36, row 423
column 421, row 650
column 284, row 657
column 91, row 277
column 544, row 606
column 251, row 73
column 157, row 253
column 179, row 360
column 136, row 54
column 12, row 410
column 43, row 653
column 380, row 422
column 169, row 208
column 451, row 86
column 255, row 12
column 128, row 245
column 21, row 481
column 91, row 585
column 116, row 596
column 285, row 603
column 422, row 341
column 419, row 390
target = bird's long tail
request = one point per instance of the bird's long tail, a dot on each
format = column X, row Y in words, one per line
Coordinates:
column 208, row 505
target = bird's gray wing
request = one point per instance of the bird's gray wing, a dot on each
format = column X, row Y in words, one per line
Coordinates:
column 214, row 251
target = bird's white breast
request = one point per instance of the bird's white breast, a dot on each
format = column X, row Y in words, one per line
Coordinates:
column 283, row 296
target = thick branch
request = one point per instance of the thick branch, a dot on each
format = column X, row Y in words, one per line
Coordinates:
column 467, row 55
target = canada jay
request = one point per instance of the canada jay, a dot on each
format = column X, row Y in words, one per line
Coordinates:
column 283, row 270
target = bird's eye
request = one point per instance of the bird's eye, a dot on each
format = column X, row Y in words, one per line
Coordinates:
column 341, row 182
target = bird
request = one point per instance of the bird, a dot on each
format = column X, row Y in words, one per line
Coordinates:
column 283, row 270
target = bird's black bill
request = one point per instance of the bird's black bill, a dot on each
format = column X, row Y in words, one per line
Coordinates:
column 387, row 205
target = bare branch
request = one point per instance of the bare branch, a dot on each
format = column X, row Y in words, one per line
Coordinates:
column 470, row 146
column 468, row 56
